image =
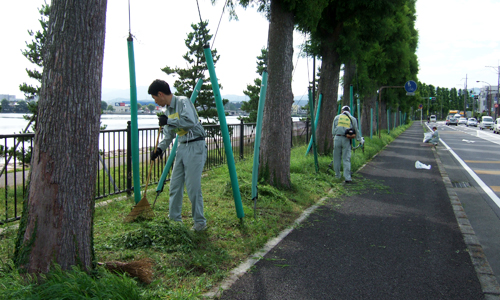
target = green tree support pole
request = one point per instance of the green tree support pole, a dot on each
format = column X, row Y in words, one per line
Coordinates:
column 133, row 121
column 256, row 148
column 371, row 123
column 171, row 157
column 351, row 96
column 315, row 122
column 359, row 117
column 311, row 111
column 388, row 121
column 225, row 132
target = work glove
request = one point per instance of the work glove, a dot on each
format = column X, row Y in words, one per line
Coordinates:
column 156, row 153
column 362, row 141
column 162, row 120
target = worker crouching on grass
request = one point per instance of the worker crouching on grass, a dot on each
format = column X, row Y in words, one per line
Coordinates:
column 181, row 119
column 344, row 129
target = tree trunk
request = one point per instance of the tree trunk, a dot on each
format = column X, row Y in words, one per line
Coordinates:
column 328, row 86
column 57, row 224
column 349, row 72
column 276, row 123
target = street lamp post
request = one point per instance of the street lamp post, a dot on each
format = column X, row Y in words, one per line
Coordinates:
column 488, row 97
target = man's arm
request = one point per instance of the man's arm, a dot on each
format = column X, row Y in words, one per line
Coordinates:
column 187, row 118
column 168, row 136
column 356, row 129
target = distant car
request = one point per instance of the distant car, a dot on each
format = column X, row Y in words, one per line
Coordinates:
column 471, row 122
column 462, row 121
column 451, row 120
column 486, row 122
column 433, row 118
column 496, row 126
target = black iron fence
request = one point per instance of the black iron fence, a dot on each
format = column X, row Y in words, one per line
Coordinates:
column 115, row 160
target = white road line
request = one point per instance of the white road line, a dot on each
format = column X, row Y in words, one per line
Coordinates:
column 487, row 136
column 478, row 180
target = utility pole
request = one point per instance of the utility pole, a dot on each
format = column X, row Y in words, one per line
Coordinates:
column 497, row 69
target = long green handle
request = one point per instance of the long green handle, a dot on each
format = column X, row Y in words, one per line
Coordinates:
column 225, row 133
column 171, row 157
column 133, row 121
column 256, row 147
column 168, row 165
column 315, row 122
column 311, row 110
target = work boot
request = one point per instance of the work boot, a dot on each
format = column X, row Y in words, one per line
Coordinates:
column 199, row 227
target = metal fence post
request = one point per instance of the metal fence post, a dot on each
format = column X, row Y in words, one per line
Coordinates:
column 242, row 138
column 129, row 158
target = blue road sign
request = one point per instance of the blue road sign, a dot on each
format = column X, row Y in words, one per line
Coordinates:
column 410, row 86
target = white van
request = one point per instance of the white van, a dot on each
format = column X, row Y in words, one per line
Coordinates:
column 432, row 118
column 486, row 122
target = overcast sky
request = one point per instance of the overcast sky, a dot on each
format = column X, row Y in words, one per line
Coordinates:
column 457, row 38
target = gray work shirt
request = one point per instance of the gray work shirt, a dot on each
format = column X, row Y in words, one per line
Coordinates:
column 345, row 123
column 182, row 121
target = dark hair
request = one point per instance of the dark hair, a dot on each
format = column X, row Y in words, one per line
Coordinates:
column 159, row 86
column 346, row 108
column 434, row 127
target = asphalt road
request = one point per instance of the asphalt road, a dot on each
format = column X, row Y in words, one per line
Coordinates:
column 479, row 150
column 399, row 239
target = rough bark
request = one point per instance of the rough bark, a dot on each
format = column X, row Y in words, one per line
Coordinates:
column 328, row 86
column 276, row 123
column 57, row 222
column 349, row 72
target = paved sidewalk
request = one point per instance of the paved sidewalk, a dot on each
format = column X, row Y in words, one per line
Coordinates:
column 400, row 239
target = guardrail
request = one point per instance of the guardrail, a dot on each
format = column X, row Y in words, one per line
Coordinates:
column 115, row 160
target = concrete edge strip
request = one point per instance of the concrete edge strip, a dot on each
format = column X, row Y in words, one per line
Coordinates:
column 487, row 279
column 254, row 258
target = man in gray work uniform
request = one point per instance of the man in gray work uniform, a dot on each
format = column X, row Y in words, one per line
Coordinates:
column 341, row 144
column 181, row 119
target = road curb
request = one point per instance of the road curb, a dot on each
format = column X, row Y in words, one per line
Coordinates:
column 487, row 279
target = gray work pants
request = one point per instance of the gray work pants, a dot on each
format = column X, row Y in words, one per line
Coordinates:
column 189, row 162
column 342, row 152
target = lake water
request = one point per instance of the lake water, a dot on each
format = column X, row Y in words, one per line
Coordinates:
column 15, row 123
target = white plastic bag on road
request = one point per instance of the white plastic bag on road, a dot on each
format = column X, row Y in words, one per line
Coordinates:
column 427, row 137
column 420, row 165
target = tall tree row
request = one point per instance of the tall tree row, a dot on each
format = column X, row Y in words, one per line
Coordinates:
column 283, row 16
column 56, row 225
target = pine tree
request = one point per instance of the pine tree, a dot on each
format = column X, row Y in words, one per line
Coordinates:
column 197, row 65
column 253, row 91
column 34, row 53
